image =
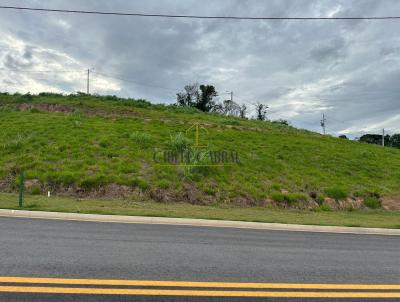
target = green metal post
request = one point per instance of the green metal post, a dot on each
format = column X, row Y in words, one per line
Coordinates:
column 21, row 189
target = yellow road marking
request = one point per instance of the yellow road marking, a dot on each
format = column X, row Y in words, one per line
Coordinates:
column 199, row 284
column 201, row 293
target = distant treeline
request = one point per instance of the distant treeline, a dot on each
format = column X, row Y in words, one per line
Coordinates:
column 376, row 139
column 390, row 141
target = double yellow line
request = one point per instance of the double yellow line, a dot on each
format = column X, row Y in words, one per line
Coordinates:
column 202, row 289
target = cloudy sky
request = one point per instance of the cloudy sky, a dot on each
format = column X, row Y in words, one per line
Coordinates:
column 349, row 70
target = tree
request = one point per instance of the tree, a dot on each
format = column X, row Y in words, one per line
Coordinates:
column 197, row 96
column 261, row 111
column 282, row 122
column 189, row 97
column 395, row 141
column 231, row 108
column 219, row 108
column 343, row 136
column 205, row 101
column 374, row 139
column 243, row 110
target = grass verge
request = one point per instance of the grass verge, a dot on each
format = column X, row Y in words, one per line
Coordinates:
column 365, row 218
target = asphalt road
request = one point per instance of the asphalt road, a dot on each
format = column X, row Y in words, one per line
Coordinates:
column 89, row 250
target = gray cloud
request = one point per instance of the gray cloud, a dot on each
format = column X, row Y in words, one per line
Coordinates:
column 333, row 50
column 346, row 69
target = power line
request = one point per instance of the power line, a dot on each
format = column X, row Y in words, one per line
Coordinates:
column 85, row 71
column 39, row 71
column 195, row 16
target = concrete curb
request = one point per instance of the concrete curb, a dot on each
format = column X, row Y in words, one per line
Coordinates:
column 198, row 222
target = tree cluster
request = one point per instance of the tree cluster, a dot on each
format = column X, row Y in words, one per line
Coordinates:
column 390, row 141
column 202, row 98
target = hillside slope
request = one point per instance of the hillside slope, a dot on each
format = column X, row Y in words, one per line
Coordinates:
column 104, row 146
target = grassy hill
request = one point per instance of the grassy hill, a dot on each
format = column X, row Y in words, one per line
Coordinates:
column 92, row 146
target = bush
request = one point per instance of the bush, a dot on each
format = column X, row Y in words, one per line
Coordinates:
column 336, row 193
column 140, row 183
column 27, row 97
column 278, row 197
column 163, row 184
column 372, row 202
column 94, row 182
column 35, row 191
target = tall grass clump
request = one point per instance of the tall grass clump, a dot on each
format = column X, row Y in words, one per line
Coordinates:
column 197, row 165
column 372, row 202
column 142, row 139
column 14, row 144
column 337, row 193
column 179, row 142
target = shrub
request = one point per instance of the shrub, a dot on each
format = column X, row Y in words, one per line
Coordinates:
column 94, row 181
column 163, row 184
column 27, row 97
column 140, row 183
column 372, row 202
column 336, row 193
column 67, row 178
column 278, row 197
column 35, row 191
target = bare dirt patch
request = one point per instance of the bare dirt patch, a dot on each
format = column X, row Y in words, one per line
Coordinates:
column 348, row 204
column 46, row 107
column 391, row 203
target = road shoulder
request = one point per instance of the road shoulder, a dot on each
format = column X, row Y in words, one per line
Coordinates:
column 197, row 222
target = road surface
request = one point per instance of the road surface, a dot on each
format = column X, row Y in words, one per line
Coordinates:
column 286, row 266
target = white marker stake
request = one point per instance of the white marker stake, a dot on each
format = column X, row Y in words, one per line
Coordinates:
column 48, row 193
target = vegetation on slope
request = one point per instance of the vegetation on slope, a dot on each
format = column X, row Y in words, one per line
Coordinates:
column 104, row 146
column 370, row 218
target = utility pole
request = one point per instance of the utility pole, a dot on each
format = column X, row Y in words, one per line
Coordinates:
column 231, row 96
column 323, row 123
column 21, row 189
column 383, row 137
column 88, row 82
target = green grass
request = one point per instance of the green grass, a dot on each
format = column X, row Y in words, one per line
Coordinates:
column 89, row 142
column 336, row 193
column 371, row 218
column 372, row 202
